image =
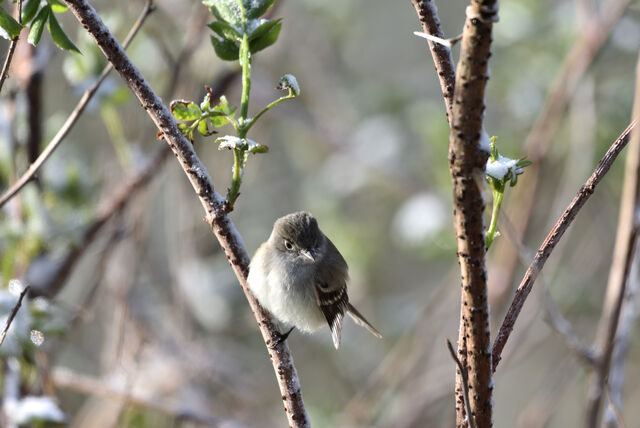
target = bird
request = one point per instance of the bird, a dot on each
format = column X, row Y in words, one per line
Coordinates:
column 300, row 277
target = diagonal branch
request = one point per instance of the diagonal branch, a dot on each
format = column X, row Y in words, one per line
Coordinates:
column 552, row 240
column 213, row 204
column 13, row 313
column 73, row 117
column 428, row 14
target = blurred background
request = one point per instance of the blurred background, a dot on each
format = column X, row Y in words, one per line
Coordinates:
column 142, row 322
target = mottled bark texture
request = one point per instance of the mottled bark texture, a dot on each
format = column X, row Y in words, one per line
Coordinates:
column 211, row 201
column 467, row 160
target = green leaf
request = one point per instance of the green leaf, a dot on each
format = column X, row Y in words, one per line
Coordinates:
column 226, row 31
column 203, row 128
column 266, row 39
column 257, row 8
column 58, row 36
column 206, row 103
column 289, row 81
column 225, row 49
column 10, row 25
column 225, row 10
column 35, row 33
column 185, row 110
column 29, row 10
column 225, row 107
column 255, row 147
column 262, row 28
column 57, row 6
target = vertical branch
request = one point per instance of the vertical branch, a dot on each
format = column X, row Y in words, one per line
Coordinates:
column 618, row 274
column 12, row 48
column 467, row 159
column 211, row 201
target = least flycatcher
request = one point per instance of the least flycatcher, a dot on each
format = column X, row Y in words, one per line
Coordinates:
column 301, row 278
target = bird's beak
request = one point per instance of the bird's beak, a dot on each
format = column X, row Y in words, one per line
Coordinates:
column 307, row 254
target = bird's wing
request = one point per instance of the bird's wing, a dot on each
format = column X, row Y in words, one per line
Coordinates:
column 333, row 302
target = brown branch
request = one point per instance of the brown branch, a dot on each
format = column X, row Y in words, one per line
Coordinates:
column 66, row 379
column 13, row 313
column 73, row 117
column 428, row 14
column 552, row 240
column 623, row 253
column 590, row 41
column 212, row 202
column 468, row 153
column 12, row 49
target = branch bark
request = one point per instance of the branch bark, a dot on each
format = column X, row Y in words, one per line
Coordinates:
column 623, row 253
column 211, row 201
column 552, row 240
column 12, row 48
column 467, row 160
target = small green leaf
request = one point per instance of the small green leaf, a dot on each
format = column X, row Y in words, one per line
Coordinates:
column 29, row 10
column 262, row 28
column 226, row 31
column 218, row 118
column 225, row 49
column 58, row 36
column 255, row 147
column 35, row 33
column 203, row 128
column 206, row 103
column 289, row 81
column 57, row 6
column 225, row 10
column 225, row 107
column 257, row 8
column 10, row 25
column 266, row 40
column 185, row 110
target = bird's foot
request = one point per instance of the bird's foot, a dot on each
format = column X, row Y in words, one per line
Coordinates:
column 280, row 337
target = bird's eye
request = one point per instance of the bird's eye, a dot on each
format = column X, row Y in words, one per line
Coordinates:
column 288, row 245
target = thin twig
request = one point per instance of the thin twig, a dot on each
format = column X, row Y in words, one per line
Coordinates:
column 465, row 383
column 73, row 117
column 428, row 15
column 12, row 49
column 13, row 313
column 552, row 239
column 213, row 204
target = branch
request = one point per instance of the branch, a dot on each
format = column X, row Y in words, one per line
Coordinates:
column 467, row 160
column 552, row 239
column 213, row 204
column 12, row 49
column 623, row 254
column 13, row 313
column 428, row 14
column 73, row 117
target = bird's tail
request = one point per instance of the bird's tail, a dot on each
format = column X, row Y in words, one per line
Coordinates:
column 362, row 321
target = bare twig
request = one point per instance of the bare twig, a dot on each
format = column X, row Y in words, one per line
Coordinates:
column 66, row 379
column 73, row 117
column 13, row 313
column 12, row 49
column 537, row 143
column 465, row 383
column 211, row 201
column 428, row 14
column 623, row 254
column 552, row 239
